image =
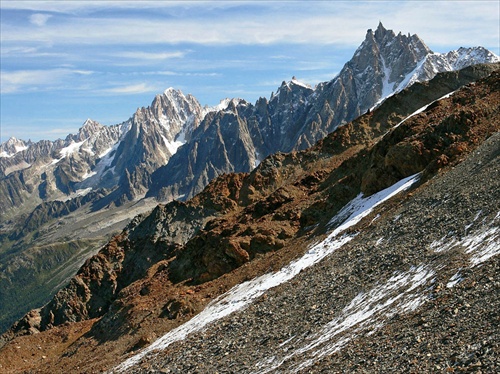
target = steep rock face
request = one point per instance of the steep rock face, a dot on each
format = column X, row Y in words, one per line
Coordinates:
column 286, row 111
column 384, row 63
column 221, row 144
column 155, row 134
column 99, row 156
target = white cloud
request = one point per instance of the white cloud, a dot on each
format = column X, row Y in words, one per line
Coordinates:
column 151, row 56
column 175, row 74
column 36, row 80
column 132, row 89
column 319, row 22
column 84, row 6
column 39, row 19
column 201, row 23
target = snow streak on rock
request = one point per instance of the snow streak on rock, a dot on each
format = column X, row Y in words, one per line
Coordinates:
column 424, row 108
column 360, row 206
column 481, row 244
column 365, row 312
column 240, row 296
column 402, row 293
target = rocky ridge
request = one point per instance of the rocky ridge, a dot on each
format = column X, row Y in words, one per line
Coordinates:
column 256, row 222
column 99, row 157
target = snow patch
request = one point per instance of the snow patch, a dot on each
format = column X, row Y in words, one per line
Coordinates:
column 103, row 165
column 365, row 313
column 360, row 206
column 420, row 110
column 70, row 149
column 106, row 152
column 77, row 193
column 14, row 145
column 454, row 280
column 387, row 88
column 88, row 175
column 171, row 146
column 257, row 160
column 299, row 83
column 222, row 106
column 481, row 244
column 17, row 149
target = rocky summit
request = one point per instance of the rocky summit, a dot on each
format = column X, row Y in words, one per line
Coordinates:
column 375, row 248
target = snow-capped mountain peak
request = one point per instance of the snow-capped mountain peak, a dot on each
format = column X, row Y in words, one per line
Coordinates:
column 13, row 146
column 296, row 82
column 223, row 105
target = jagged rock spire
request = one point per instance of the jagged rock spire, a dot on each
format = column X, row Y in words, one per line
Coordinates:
column 381, row 32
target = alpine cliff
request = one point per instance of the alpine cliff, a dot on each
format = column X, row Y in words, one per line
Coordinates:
column 61, row 200
column 297, row 116
column 376, row 247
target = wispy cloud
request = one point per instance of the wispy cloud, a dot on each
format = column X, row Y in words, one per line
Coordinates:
column 179, row 74
column 39, row 19
column 277, row 22
column 132, row 89
column 118, row 31
column 140, row 55
column 82, row 6
column 36, row 80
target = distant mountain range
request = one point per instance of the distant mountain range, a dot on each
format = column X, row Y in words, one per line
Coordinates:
column 173, row 148
column 82, row 188
column 374, row 249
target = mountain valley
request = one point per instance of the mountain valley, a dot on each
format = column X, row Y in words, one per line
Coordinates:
column 164, row 268
column 307, row 232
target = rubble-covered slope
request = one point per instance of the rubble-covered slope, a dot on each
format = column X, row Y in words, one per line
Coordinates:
column 412, row 288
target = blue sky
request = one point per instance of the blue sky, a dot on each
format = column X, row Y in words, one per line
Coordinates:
column 65, row 61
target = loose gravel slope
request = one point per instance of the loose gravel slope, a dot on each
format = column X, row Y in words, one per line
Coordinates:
column 416, row 290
